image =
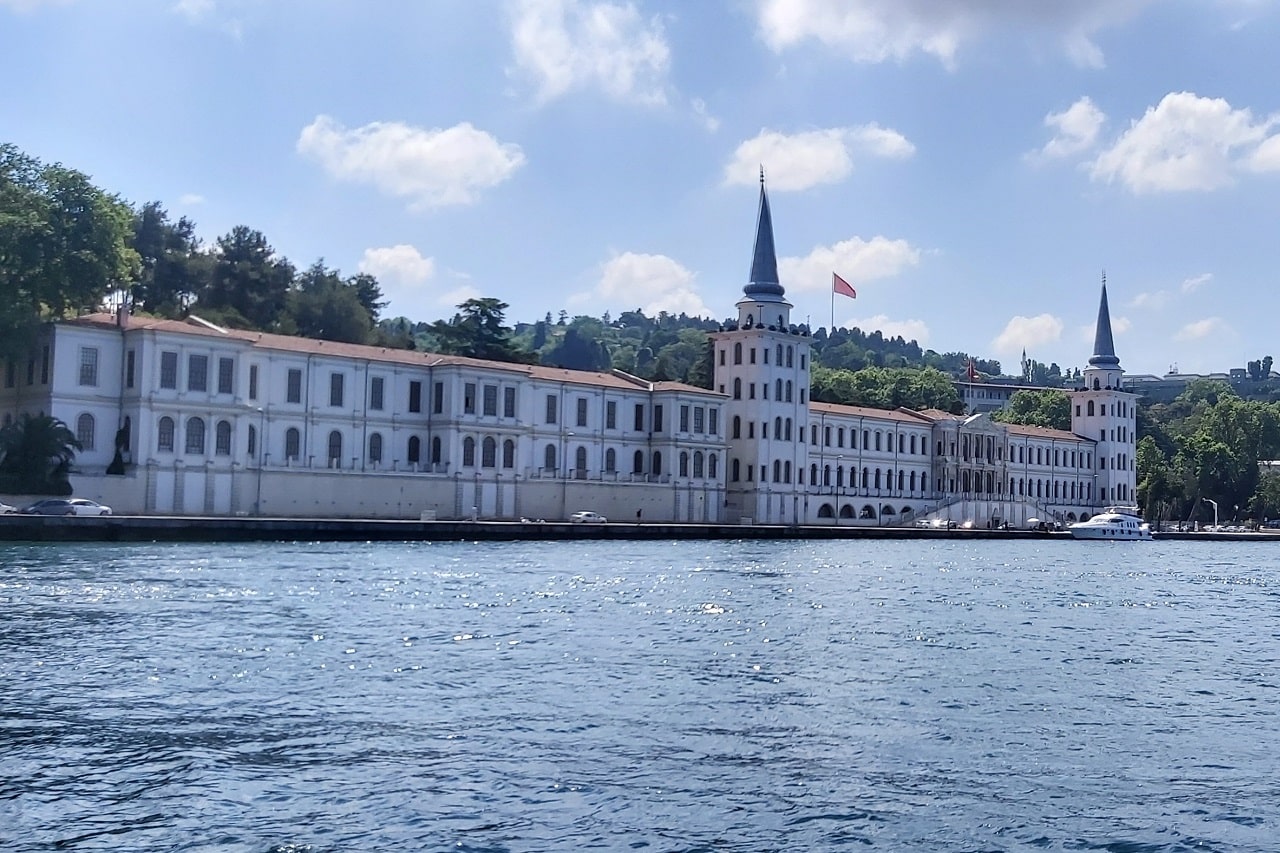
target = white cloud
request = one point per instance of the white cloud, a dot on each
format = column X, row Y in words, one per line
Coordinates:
column 802, row 160
column 1201, row 329
column 1028, row 333
column 1151, row 300
column 403, row 275
column 458, row 295
column 194, row 10
column 1187, row 142
column 856, row 260
column 432, row 167
column 710, row 122
column 1196, row 282
column 576, row 44
column 911, row 330
column 1119, row 325
column 665, row 284
column 1075, row 130
column 880, row 30
column 190, row 199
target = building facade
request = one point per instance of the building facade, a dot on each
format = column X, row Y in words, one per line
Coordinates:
column 193, row 419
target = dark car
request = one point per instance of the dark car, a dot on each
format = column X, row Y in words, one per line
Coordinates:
column 67, row 506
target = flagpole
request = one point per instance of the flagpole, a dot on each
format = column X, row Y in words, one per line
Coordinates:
column 833, row 305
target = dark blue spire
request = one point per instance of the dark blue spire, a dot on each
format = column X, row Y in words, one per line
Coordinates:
column 764, row 262
column 1104, row 347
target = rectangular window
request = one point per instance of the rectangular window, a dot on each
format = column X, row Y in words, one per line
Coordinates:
column 551, row 408
column 44, row 365
column 198, row 373
column 253, row 382
column 415, row 396
column 611, row 415
column 226, row 372
column 437, row 405
column 753, row 355
column 88, row 366
column 699, row 419
column 469, row 398
column 336, row 382
column 657, row 418
column 639, row 424
column 508, row 402
column 490, row 401
column 684, row 418
column 130, row 361
column 713, row 420
column 293, row 389
column 376, row 388
column 169, row 370
column 582, row 411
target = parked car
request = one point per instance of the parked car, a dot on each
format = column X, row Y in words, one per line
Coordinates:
column 587, row 517
column 67, row 506
column 5, row 509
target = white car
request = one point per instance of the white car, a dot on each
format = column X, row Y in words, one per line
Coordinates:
column 67, row 506
column 587, row 517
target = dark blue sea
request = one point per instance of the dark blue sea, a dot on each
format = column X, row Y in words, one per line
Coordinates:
column 755, row 696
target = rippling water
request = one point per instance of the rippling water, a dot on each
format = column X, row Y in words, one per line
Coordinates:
column 983, row 696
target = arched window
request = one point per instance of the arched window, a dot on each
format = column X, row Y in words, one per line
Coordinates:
column 737, row 388
column 611, row 460
column 637, row 462
column 468, row 452
column 737, row 353
column 813, row 473
column 789, row 390
column 737, row 426
column 913, row 481
column 877, row 478
column 489, row 452
column 779, row 359
column 786, row 471
column 788, row 429
column 657, row 463
column 777, row 388
column 375, row 448
column 508, row 454
column 292, row 443
column 777, row 428
column 790, row 355
column 684, row 463
column 878, row 436
column 84, row 431
column 222, row 438
column 195, row 436
column 580, row 459
column 902, row 479
column 1089, row 410
column 437, row 448
column 777, row 470
column 826, row 475
column 164, row 435
column 865, row 477
column 253, row 441
column 713, row 466
column 735, row 470
column 415, row 450
column 549, row 457
column 335, row 449
column 698, row 471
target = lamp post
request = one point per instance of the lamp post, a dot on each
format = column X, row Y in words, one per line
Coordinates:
column 1215, row 511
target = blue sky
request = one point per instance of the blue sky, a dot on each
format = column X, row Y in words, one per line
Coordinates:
column 970, row 166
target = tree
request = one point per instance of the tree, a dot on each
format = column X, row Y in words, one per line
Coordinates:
column 478, row 331
column 249, row 284
column 173, row 269
column 324, row 306
column 37, row 454
column 63, row 245
column 1048, row 408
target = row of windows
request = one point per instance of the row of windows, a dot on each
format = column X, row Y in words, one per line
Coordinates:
column 872, row 478
column 1115, row 410
column 11, row 369
column 788, row 351
column 781, row 429
column 906, row 443
column 782, row 390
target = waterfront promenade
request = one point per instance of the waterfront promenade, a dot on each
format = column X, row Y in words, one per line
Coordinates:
column 153, row 528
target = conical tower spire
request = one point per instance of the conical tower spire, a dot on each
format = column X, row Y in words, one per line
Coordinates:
column 1104, row 347
column 764, row 282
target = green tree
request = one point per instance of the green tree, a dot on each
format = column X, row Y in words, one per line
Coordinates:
column 478, row 330
column 1048, row 408
column 63, row 245
column 325, row 306
column 37, row 452
column 173, row 269
column 249, row 283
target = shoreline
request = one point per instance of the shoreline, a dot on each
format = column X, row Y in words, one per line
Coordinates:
column 156, row 528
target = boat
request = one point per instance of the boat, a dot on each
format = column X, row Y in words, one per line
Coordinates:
column 1115, row 524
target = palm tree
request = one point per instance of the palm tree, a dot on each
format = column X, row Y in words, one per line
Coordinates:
column 36, row 452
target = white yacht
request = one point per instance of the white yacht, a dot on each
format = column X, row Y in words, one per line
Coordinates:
column 1115, row 523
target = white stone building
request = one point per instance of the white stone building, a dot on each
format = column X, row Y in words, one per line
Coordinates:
column 210, row 421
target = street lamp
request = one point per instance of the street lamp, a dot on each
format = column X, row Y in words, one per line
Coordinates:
column 1215, row 511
